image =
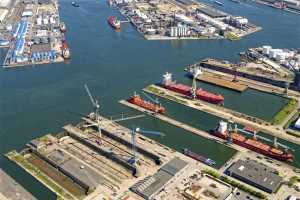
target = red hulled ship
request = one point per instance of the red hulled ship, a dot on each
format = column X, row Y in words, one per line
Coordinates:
column 251, row 143
column 155, row 107
column 201, row 94
column 65, row 50
column 114, row 22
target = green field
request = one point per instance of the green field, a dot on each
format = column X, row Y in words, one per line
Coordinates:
column 284, row 112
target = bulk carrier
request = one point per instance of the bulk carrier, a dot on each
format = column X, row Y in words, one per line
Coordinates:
column 201, row 94
column 253, row 144
column 154, row 107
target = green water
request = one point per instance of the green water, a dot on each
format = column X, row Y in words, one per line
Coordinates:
column 41, row 99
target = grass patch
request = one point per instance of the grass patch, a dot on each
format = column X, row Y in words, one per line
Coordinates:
column 231, row 36
column 284, row 112
column 156, row 91
column 293, row 133
column 293, row 180
column 233, row 183
column 34, row 171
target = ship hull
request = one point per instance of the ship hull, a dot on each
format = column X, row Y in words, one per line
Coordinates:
column 136, row 100
column 282, row 157
column 198, row 157
column 200, row 93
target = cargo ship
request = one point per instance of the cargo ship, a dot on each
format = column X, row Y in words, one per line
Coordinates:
column 201, row 94
column 154, row 107
column 65, row 50
column 114, row 22
column 253, row 144
column 198, row 157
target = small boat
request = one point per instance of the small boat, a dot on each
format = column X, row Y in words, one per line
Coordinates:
column 62, row 27
column 65, row 50
column 198, row 157
column 235, row 1
column 218, row 3
column 75, row 4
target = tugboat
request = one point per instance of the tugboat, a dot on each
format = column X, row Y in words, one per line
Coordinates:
column 62, row 27
column 65, row 50
column 75, row 4
column 114, row 22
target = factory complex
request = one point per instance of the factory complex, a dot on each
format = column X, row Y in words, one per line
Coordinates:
column 34, row 34
column 183, row 19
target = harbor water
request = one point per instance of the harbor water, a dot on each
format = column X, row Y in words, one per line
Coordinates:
column 41, row 99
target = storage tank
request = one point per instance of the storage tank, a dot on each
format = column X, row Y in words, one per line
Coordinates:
column 172, row 31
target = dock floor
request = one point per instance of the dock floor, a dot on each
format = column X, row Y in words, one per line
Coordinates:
column 219, row 81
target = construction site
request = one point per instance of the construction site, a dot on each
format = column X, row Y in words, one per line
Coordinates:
column 183, row 19
column 33, row 33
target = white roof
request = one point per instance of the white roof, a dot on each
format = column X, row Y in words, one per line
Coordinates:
column 27, row 14
column 297, row 124
column 4, row 3
column 3, row 13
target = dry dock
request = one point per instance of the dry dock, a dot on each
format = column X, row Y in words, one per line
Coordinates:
column 180, row 125
column 10, row 189
column 83, row 163
column 217, row 80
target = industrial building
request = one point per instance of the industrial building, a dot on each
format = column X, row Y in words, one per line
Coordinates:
column 151, row 185
column 255, row 174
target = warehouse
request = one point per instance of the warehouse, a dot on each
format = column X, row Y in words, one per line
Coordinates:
column 256, row 174
column 151, row 185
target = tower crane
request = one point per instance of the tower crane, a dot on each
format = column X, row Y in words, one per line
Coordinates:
column 134, row 131
column 96, row 106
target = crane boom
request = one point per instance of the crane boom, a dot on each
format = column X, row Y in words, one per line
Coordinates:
column 149, row 97
column 94, row 102
column 150, row 132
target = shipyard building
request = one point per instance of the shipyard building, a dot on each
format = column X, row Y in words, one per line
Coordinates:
column 255, row 174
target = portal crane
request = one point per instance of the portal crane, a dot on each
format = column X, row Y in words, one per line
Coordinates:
column 134, row 131
column 96, row 106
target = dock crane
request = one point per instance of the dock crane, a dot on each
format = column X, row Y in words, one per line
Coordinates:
column 134, row 131
column 195, row 72
column 151, row 99
column 97, row 118
column 96, row 106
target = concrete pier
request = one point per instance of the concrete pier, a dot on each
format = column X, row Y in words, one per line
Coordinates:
column 10, row 189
